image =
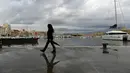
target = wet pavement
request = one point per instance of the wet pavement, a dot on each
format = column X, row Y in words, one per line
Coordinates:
column 68, row 59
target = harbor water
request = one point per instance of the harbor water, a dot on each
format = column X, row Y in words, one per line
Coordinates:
column 85, row 42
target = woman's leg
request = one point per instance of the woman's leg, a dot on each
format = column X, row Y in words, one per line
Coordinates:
column 54, row 48
column 44, row 49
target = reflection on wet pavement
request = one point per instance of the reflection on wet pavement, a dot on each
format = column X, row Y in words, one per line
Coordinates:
column 51, row 64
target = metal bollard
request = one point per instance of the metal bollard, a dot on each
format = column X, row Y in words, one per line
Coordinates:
column 0, row 43
column 105, row 48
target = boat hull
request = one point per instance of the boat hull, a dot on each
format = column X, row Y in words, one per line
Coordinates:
column 18, row 41
column 116, row 37
column 113, row 37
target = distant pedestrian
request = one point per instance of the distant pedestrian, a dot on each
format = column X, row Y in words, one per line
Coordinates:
column 50, row 39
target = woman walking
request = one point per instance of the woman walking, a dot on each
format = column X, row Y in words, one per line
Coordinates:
column 50, row 39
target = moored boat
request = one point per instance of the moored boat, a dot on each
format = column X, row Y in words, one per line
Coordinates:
column 116, row 35
column 8, row 41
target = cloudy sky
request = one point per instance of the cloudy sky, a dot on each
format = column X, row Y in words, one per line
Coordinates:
column 65, row 15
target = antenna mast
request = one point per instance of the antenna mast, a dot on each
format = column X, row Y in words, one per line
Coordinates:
column 115, row 11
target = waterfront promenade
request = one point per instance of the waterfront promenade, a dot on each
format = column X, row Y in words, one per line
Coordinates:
column 72, row 60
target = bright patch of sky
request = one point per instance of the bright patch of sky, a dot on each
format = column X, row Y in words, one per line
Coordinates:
column 65, row 15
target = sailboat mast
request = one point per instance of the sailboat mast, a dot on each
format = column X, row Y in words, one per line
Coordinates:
column 115, row 11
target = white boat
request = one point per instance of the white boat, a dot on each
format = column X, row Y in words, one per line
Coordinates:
column 116, row 35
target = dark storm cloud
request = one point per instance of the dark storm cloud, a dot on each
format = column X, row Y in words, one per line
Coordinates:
column 56, row 21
